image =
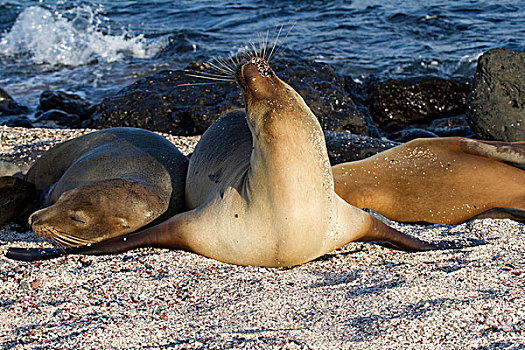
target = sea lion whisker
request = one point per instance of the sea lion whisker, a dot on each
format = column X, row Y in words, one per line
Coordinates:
column 222, row 66
column 265, row 44
column 260, row 42
column 60, row 242
column 69, row 241
column 66, row 238
column 202, row 83
column 208, row 74
column 236, row 59
column 254, row 49
column 59, row 245
column 71, row 238
column 74, row 239
column 275, row 42
column 50, row 239
column 226, row 64
column 56, row 235
column 244, row 55
column 50, row 233
column 210, row 78
column 234, row 62
column 286, row 36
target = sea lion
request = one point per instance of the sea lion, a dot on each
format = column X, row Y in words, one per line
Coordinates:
column 97, row 186
column 260, row 189
column 18, row 199
column 438, row 180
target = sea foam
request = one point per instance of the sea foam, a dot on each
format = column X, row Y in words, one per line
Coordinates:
column 53, row 39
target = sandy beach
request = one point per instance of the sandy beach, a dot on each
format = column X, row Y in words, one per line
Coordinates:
column 363, row 296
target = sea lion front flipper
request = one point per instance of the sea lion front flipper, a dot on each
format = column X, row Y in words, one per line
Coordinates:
column 35, row 254
column 502, row 213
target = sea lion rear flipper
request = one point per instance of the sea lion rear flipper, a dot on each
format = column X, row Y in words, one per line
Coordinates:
column 34, row 254
column 387, row 236
column 368, row 228
column 512, row 153
column 502, row 213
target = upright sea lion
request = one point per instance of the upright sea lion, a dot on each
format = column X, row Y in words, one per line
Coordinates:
column 260, row 189
column 97, row 186
column 438, row 180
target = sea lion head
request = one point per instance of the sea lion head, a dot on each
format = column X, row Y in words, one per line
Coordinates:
column 18, row 198
column 98, row 211
column 270, row 102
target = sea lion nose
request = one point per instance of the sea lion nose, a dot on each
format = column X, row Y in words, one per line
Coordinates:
column 34, row 219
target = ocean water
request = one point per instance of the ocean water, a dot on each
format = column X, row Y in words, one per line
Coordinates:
column 94, row 48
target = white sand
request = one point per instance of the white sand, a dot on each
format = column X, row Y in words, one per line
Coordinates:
column 360, row 297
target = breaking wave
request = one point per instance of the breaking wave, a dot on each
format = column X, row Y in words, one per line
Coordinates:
column 78, row 38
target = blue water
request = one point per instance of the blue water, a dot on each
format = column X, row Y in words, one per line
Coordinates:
column 95, row 48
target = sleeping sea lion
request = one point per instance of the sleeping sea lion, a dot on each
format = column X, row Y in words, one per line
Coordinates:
column 438, row 180
column 97, row 186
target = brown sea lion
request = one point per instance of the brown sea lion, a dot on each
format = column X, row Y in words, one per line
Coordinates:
column 438, row 180
column 97, row 186
column 260, row 188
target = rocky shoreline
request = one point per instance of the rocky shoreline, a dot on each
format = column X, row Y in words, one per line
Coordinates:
column 491, row 107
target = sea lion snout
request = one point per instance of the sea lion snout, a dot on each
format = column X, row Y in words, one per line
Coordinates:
column 255, row 76
column 34, row 219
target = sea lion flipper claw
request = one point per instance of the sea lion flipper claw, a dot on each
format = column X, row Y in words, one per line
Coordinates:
column 34, row 254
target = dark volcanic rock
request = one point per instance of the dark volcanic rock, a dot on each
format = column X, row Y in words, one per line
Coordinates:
column 19, row 121
column 160, row 102
column 346, row 147
column 409, row 134
column 8, row 105
column 55, row 118
column 452, row 126
column 401, row 103
column 164, row 101
column 496, row 106
column 63, row 101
